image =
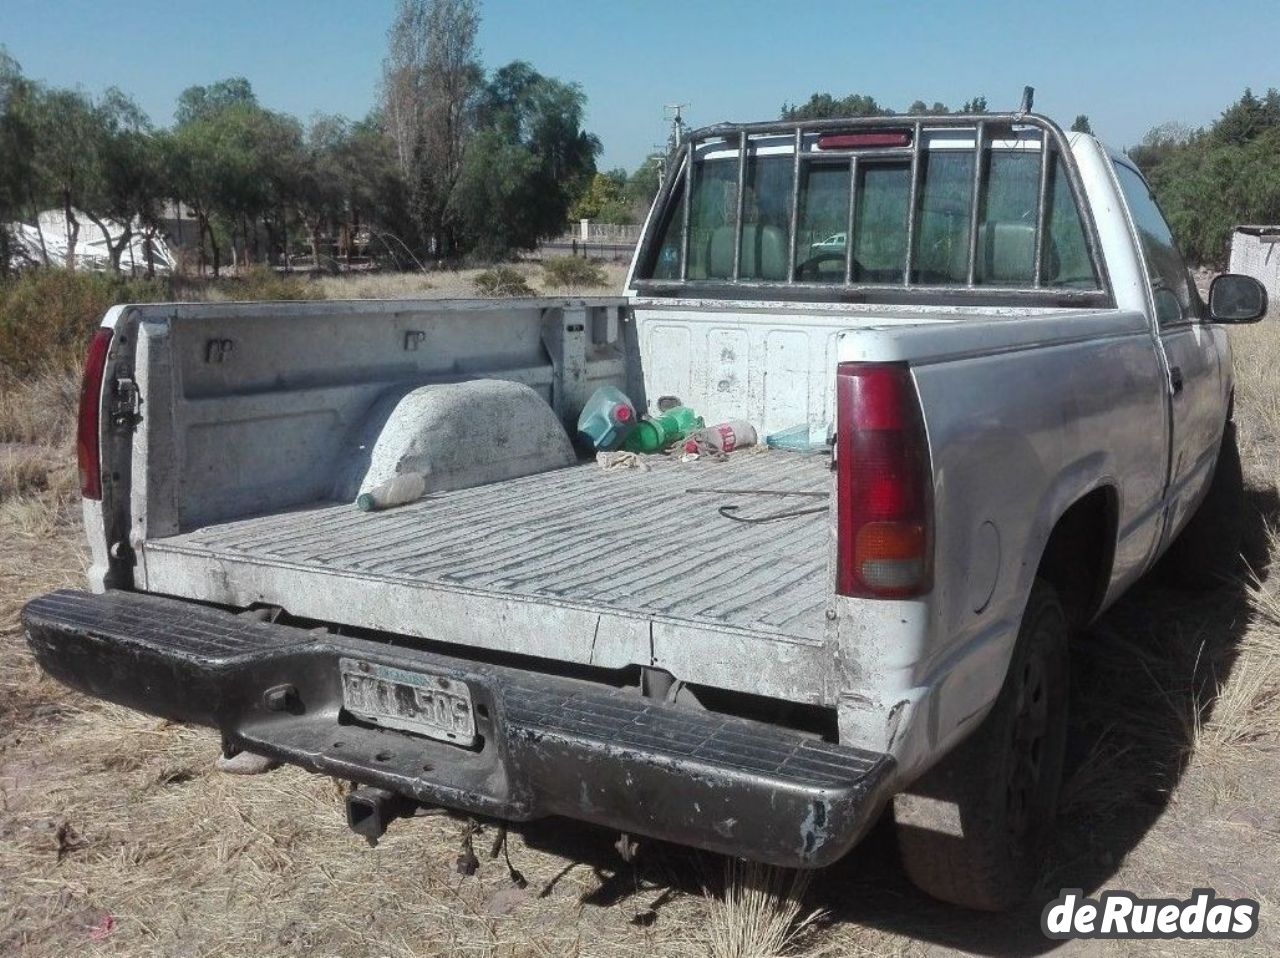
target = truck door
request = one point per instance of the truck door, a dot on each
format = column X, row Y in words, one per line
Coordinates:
column 1196, row 409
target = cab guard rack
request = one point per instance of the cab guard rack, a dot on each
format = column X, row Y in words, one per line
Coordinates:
column 985, row 126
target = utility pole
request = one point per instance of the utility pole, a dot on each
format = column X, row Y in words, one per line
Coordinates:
column 674, row 112
column 662, row 158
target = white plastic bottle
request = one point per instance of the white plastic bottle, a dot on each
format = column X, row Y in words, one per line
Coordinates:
column 396, row 491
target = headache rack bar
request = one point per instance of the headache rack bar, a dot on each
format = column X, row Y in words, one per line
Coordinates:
column 986, row 128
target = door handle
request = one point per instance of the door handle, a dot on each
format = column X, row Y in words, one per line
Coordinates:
column 1175, row 378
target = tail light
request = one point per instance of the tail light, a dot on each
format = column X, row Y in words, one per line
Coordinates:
column 862, row 141
column 90, row 414
column 883, row 479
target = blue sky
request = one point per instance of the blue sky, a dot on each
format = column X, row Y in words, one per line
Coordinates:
column 1128, row 64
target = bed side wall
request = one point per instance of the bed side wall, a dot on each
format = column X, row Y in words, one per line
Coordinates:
column 254, row 408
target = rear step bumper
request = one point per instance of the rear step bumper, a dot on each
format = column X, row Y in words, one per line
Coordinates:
column 547, row 746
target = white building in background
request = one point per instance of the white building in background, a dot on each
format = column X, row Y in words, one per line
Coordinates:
column 1255, row 251
column 50, row 236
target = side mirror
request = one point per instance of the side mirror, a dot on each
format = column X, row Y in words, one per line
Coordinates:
column 1234, row 298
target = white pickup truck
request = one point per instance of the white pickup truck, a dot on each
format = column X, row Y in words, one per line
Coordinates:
column 1010, row 402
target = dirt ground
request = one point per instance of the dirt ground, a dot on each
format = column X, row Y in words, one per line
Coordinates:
column 118, row 837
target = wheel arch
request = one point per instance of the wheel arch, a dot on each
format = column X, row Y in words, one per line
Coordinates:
column 1079, row 554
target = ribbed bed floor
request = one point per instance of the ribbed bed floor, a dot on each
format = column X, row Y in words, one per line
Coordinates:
column 626, row 539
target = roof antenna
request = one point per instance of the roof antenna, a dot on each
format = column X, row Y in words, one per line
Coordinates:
column 1028, row 97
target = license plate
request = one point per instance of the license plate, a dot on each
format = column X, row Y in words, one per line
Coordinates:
column 432, row 705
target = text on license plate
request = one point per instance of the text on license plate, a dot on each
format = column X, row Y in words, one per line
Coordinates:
column 432, row 705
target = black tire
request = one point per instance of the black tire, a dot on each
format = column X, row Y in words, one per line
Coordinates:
column 975, row 829
column 1206, row 552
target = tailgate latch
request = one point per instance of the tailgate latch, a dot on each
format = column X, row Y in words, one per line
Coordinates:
column 126, row 403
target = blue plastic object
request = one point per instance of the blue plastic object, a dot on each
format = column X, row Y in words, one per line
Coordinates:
column 607, row 418
column 795, row 438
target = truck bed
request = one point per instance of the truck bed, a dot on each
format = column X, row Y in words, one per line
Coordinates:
column 633, row 559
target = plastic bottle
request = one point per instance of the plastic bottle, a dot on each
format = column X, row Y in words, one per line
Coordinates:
column 396, row 491
column 654, row 435
column 725, row 437
column 607, row 418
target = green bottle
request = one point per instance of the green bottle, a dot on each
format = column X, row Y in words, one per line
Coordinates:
column 654, row 435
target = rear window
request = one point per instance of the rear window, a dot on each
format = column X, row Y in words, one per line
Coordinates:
column 854, row 224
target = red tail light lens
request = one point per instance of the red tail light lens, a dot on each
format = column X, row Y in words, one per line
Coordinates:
column 864, row 141
column 883, row 479
column 90, row 414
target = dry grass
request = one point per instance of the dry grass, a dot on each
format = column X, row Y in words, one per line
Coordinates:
column 758, row 911
column 457, row 284
column 118, row 838
column 39, row 409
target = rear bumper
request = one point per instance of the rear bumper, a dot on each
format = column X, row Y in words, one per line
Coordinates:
column 548, row 745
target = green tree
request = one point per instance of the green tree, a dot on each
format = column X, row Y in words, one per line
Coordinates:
column 377, row 193
column 321, row 188
column 237, row 166
column 1081, row 125
column 188, row 154
column 604, row 199
column 1248, row 117
column 67, row 140
column 536, row 154
column 920, row 108
column 643, row 183
column 1209, row 181
column 17, row 145
column 1158, row 144
column 823, row 106
column 199, row 102
column 131, row 187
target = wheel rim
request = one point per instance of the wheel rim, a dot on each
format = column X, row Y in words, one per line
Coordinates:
column 1025, row 769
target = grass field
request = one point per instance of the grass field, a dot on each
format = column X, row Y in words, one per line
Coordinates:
column 118, row 837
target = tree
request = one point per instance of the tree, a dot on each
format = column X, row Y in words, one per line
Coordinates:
column 1208, row 181
column 532, row 146
column 823, row 106
column 68, row 139
column 131, row 187
column 604, row 199
column 1081, row 125
column 920, row 108
column 1248, row 117
column 320, row 190
column 200, row 102
column 432, row 96
column 213, row 161
column 495, row 201
column 279, row 161
column 237, row 166
column 377, row 194
column 403, row 79
column 348, row 183
column 1158, row 144
column 642, row 185
column 17, row 144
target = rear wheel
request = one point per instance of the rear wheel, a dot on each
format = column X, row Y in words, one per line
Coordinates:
column 1207, row 550
column 974, row 830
